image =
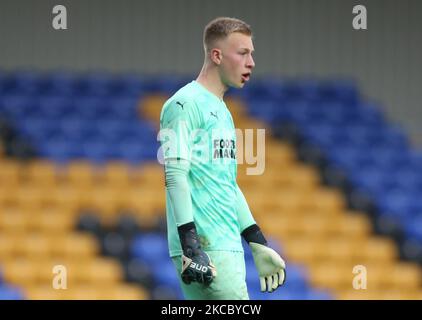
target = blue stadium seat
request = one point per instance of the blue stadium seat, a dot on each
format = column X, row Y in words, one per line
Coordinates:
column 340, row 90
column 130, row 85
column 124, row 108
column 261, row 89
column 94, row 84
column 304, row 89
column 262, row 108
column 57, row 83
column 399, row 204
column 21, row 82
column 150, row 247
column 413, row 227
column 165, row 273
column 8, row 292
column 91, row 107
column 61, row 150
column 318, row 294
column 40, row 129
column 76, row 129
column 99, row 151
column 54, row 107
column 17, row 106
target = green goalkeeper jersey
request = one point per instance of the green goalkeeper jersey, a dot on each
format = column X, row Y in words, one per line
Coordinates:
column 196, row 126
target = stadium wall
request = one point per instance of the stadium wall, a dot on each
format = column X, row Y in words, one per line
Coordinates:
column 293, row 38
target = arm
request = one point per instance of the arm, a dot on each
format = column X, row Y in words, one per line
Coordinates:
column 196, row 265
column 243, row 212
column 271, row 267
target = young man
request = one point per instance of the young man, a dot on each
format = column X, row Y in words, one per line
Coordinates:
column 207, row 214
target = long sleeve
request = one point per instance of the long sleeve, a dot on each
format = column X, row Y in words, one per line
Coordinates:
column 243, row 212
column 179, row 192
column 178, row 120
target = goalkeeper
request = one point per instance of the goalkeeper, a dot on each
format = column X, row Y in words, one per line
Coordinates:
column 207, row 214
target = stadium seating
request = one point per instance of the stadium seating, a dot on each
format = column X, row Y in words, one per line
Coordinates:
column 93, row 198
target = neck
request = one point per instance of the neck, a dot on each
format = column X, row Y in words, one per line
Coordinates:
column 210, row 79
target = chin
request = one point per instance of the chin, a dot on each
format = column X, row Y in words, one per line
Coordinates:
column 238, row 85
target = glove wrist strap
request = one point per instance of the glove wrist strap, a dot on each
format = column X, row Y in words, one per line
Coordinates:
column 189, row 239
column 254, row 234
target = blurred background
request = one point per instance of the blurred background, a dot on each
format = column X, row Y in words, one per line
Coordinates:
column 80, row 185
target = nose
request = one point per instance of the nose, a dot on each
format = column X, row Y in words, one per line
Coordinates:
column 250, row 63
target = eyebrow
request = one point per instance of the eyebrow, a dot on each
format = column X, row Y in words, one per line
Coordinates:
column 247, row 49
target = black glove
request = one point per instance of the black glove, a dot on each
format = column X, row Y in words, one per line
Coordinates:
column 196, row 264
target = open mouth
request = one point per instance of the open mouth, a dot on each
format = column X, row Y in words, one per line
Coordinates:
column 246, row 76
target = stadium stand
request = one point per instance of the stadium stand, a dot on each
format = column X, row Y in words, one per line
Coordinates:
column 80, row 187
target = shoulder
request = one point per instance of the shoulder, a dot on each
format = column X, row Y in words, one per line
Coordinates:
column 184, row 103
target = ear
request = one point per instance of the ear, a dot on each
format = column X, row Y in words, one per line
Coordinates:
column 216, row 56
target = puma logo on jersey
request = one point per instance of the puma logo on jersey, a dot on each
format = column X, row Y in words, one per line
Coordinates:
column 215, row 115
column 180, row 104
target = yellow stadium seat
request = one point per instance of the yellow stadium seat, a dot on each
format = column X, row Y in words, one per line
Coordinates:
column 81, row 174
column 150, row 108
column 104, row 199
column 281, row 153
column 7, row 246
column 392, row 294
column 10, row 172
column 8, row 195
column 325, row 199
column 124, row 292
column 404, row 276
column 82, row 292
column 378, row 249
column 342, row 249
column 34, row 245
column 151, row 173
column 377, row 295
column 236, row 106
column 68, row 197
column 302, row 249
column 53, row 210
column 247, row 181
column 48, row 268
column 276, row 226
column 39, row 292
column 74, row 245
column 40, row 172
column 330, row 275
column 97, row 271
column 19, row 272
column 289, row 200
column 313, row 224
column 147, row 202
column 354, row 225
column 296, row 176
column 55, row 223
column 30, row 196
column 248, row 123
column 116, row 174
column 351, row 294
column 17, row 222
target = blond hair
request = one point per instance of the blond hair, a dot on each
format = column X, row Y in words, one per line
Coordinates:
column 220, row 28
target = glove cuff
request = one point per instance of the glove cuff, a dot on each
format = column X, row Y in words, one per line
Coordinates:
column 254, row 234
column 189, row 239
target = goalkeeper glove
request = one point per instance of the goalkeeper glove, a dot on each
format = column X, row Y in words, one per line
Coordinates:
column 196, row 264
column 271, row 267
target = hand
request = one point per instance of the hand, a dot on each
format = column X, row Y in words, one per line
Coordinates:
column 271, row 267
column 196, row 264
column 198, row 268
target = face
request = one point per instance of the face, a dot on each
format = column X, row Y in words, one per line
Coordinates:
column 235, row 59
